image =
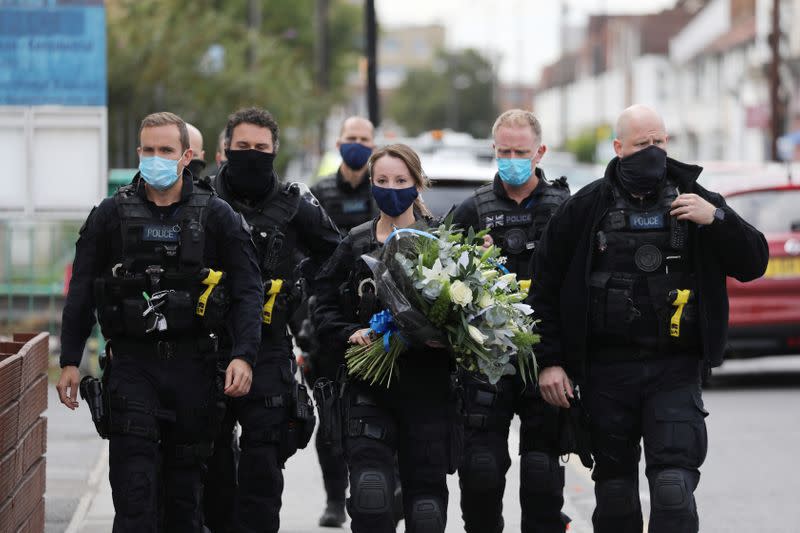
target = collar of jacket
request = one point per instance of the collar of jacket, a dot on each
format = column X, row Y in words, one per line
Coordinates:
column 186, row 189
column 500, row 191
column 225, row 192
column 345, row 186
column 684, row 174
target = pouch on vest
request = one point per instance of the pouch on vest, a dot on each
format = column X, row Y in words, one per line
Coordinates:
column 663, row 293
column 133, row 309
column 179, row 311
column 192, row 244
column 611, row 303
column 109, row 314
column 217, row 308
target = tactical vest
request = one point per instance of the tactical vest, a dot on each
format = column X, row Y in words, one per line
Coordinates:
column 154, row 292
column 359, row 294
column 517, row 228
column 643, row 295
column 276, row 248
column 348, row 209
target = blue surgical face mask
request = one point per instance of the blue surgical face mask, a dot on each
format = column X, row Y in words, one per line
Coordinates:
column 158, row 172
column 515, row 172
column 394, row 202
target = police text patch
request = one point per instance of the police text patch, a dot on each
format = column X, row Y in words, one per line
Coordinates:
column 646, row 221
column 159, row 233
column 350, row 207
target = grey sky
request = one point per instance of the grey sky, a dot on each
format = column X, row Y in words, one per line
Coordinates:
column 521, row 34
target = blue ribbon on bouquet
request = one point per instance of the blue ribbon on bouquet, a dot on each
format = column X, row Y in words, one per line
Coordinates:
column 383, row 324
column 409, row 230
column 499, row 267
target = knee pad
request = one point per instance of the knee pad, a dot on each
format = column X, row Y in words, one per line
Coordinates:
column 426, row 517
column 617, row 497
column 480, row 472
column 371, row 493
column 541, row 473
column 672, row 490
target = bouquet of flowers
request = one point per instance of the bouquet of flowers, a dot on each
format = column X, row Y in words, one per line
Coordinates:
column 442, row 287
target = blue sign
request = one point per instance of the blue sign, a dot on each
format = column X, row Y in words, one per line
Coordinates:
column 52, row 52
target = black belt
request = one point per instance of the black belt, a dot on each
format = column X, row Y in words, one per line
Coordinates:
column 628, row 353
column 165, row 349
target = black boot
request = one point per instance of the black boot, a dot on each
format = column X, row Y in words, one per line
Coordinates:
column 334, row 515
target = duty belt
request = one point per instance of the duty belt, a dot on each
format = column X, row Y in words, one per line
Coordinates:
column 165, row 350
column 486, row 422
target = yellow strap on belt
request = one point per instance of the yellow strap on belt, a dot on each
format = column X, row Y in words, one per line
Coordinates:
column 675, row 322
column 525, row 285
column 212, row 280
column 275, row 287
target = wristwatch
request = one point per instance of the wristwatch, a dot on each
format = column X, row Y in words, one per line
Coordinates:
column 719, row 215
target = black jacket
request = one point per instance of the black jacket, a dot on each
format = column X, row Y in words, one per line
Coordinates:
column 563, row 262
column 310, row 237
column 347, row 206
column 228, row 248
column 466, row 215
column 424, row 371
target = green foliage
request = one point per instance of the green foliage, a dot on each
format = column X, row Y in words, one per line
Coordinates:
column 158, row 59
column 457, row 94
column 583, row 146
column 440, row 309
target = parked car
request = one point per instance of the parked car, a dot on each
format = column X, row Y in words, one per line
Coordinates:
column 764, row 313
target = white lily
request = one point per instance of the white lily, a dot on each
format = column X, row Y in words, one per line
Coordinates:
column 476, row 334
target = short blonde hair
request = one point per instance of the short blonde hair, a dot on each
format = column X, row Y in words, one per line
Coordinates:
column 517, row 118
column 165, row 118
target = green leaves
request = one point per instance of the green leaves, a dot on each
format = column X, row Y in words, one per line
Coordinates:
column 457, row 93
column 159, row 59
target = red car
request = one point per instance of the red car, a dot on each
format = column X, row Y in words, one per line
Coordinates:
column 765, row 313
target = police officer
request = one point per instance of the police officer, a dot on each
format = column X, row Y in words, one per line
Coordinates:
column 347, row 198
column 346, row 195
column 288, row 225
column 145, row 261
column 198, row 163
column 630, row 289
column 413, row 417
column 515, row 208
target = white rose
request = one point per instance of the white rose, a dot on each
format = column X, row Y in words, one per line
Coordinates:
column 460, row 294
column 476, row 334
column 508, row 278
column 485, row 300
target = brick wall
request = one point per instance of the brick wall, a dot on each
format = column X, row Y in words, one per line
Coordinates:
column 23, row 432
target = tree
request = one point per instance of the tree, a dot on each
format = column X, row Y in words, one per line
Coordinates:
column 456, row 92
column 203, row 59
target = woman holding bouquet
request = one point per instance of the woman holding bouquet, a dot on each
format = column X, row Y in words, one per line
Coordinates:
column 414, row 418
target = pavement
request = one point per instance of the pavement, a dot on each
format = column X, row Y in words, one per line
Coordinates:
column 749, row 480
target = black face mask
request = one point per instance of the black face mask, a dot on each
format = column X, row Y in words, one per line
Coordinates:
column 196, row 166
column 641, row 172
column 249, row 172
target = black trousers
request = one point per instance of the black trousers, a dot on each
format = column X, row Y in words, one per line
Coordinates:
column 219, row 495
column 263, row 415
column 488, row 413
column 156, row 464
column 419, row 431
column 659, row 401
